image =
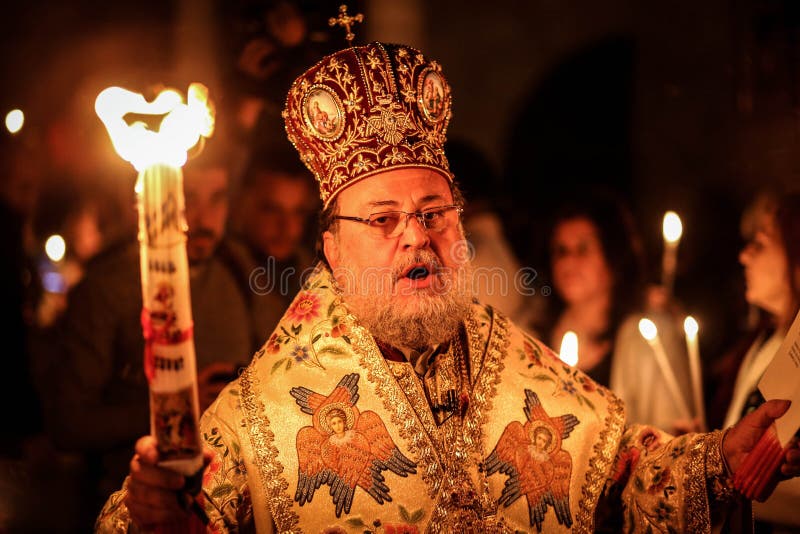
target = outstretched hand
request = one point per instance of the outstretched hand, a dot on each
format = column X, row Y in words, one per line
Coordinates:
column 743, row 436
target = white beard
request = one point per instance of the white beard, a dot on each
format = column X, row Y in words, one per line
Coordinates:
column 429, row 317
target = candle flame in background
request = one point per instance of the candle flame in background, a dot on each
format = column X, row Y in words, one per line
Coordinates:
column 14, row 120
column 569, row 348
column 180, row 130
column 690, row 326
column 672, row 227
column 648, row 329
column 55, row 247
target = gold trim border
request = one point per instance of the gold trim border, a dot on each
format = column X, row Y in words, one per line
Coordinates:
column 599, row 465
column 402, row 413
column 265, row 454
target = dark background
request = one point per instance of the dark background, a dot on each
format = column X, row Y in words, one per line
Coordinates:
column 683, row 105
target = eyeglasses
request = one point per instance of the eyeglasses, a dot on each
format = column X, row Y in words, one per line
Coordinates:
column 392, row 223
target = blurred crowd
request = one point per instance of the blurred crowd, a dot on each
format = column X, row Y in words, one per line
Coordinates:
column 73, row 343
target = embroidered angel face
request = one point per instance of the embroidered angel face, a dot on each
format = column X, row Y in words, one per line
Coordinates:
column 337, row 421
column 542, row 438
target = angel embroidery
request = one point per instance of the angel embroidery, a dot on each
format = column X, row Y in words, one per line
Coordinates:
column 344, row 448
column 532, row 457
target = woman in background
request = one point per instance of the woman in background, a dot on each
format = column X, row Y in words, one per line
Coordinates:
column 771, row 261
column 597, row 267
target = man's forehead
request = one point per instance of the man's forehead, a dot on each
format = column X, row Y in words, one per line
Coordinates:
column 397, row 187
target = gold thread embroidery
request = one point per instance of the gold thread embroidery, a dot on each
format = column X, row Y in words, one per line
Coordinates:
column 486, row 365
column 599, row 465
column 266, row 455
column 697, row 511
column 402, row 414
column 358, row 80
column 411, row 388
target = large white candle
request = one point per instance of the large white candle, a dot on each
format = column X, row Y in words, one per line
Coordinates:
column 649, row 331
column 167, row 314
column 691, row 328
column 672, row 229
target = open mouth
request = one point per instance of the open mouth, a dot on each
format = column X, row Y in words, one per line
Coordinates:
column 417, row 272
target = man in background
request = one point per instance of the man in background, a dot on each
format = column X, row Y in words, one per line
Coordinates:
column 272, row 218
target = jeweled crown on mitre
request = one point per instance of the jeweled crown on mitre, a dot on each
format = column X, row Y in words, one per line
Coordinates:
column 368, row 109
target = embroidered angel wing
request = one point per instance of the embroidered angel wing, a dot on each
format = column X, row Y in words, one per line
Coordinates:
column 558, row 496
column 312, row 472
column 369, row 451
column 541, row 471
column 345, row 391
column 559, row 467
column 534, row 411
column 385, row 453
column 504, row 459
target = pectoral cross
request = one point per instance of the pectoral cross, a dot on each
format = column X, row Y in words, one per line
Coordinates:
column 345, row 21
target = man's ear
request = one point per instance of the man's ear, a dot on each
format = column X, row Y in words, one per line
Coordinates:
column 331, row 249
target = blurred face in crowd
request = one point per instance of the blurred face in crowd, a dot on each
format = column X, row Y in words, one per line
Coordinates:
column 85, row 233
column 274, row 212
column 206, row 193
column 409, row 289
column 766, row 267
column 580, row 269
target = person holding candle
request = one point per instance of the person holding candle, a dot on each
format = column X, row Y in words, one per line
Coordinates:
column 96, row 399
column 443, row 446
column 771, row 261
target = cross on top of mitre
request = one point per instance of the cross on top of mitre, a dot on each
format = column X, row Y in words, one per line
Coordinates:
column 346, row 21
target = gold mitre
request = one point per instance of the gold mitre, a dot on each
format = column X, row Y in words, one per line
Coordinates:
column 368, row 109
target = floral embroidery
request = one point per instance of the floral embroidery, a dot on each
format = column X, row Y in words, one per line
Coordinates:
column 340, row 330
column 664, row 511
column 532, row 352
column 211, row 470
column 304, row 308
column 299, row 353
column 659, row 481
column 544, row 364
column 408, row 526
column 272, row 346
column 625, row 464
column 226, row 467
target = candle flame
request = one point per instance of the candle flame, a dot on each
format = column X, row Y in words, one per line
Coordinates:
column 14, row 120
column 55, row 247
column 672, row 227
column 569, row 348
column 180, row 130
column 690, row 326
column 648, row 329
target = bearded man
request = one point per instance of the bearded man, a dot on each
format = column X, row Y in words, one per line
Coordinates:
column 440, row 396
